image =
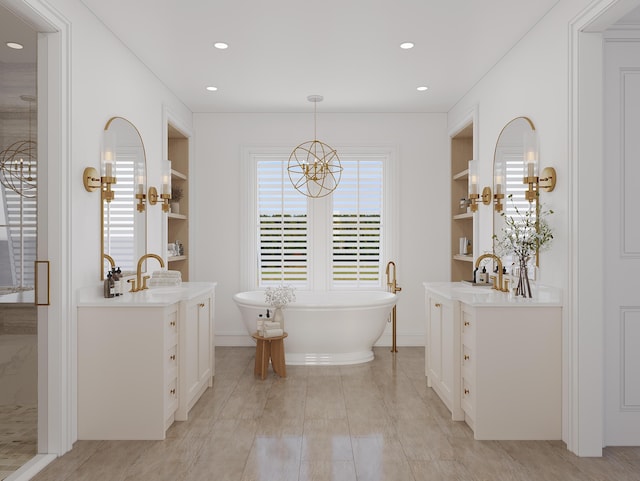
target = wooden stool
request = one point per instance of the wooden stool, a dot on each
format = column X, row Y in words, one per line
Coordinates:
column 269, row 348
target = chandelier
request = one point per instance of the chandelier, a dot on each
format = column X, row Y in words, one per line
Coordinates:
column 314, row 167
column 18, row 162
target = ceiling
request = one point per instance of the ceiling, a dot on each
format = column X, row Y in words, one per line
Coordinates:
column 281, row 51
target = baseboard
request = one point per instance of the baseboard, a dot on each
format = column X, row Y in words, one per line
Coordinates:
column 31, row 467
column 237, row 339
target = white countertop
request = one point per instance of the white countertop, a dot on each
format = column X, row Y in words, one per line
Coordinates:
column 154, row 296
column 543, row 296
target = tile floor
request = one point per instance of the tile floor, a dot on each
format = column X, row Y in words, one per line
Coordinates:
column 374, row 421
column 18, row 437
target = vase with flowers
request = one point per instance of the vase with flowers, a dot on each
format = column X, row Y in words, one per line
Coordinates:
column 523, row 234
column 278, row 298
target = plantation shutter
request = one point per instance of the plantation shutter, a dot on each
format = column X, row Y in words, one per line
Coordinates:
column 282, row 228
column 357, row 225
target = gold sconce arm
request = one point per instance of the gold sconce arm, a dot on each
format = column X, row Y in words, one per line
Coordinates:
column 92, row 181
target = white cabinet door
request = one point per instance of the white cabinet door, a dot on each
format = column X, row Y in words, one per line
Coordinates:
column 443, row 351
column 196, row 351
column 434, row 343
column 204, row 341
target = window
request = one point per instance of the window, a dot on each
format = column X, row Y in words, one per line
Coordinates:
column 357, row 224
column 282, row 227
column 334, row 242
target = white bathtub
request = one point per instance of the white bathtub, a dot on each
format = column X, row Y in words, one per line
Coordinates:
column 338, row 327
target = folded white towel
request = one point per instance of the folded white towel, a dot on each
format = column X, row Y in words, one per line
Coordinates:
column 271, row 325
column 273, row 332
column 155, row 282
column 166, row 274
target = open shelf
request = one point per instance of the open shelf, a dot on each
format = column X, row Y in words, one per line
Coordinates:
column 462, row 222
column 464, row 175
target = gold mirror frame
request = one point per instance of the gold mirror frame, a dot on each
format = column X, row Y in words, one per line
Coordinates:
column 510, row 145
column 128, row 144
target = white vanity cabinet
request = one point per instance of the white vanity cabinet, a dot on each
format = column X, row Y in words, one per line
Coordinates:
column 443, row 350
column 496, row 362
column 144, row 360
column 197, row 351
column 127, row 372
column 511, row 373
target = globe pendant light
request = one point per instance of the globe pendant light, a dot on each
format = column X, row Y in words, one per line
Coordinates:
column 314, row 167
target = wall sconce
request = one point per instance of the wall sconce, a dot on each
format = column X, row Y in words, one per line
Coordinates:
column 141, row 179
column 166, row 186
column 498, row 185
column 547, row 180
column 90, row 177
column 473, row 186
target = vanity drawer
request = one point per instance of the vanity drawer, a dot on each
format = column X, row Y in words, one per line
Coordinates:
column 171, row 329
column 172, row 364
column 468, row 329
column 468, row 398
column 171, row 397
column 468, row 363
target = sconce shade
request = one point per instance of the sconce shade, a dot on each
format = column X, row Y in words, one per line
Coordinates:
column 109, row 155
column 531, row 154
column 473, row 178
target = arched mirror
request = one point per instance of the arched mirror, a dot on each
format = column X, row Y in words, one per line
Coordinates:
column 124, row 228
column 508, row 160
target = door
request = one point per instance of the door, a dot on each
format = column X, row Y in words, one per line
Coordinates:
column 621, row 242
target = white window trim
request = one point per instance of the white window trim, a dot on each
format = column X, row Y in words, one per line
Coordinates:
column 248, row 210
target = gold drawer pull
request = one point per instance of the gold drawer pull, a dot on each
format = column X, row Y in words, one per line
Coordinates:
column 201, row 304
column 466, row 357
column 438, row 304
column 467, row 323
column 172, row 357
column 172, row 392
column 466, row 391
column 172, row 323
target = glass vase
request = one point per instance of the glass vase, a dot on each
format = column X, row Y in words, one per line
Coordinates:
column 524, row 287
column 278, row 317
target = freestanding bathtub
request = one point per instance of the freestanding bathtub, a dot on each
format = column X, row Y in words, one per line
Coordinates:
column 331, row 328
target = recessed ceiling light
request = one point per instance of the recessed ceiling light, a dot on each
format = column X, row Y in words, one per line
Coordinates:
column 211, row 88
column 422, row 88
column 221, row 45
column 406, row 45
column 15, row 45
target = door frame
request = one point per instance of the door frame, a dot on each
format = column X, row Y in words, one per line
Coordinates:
column 56, row 337
column 583, row 412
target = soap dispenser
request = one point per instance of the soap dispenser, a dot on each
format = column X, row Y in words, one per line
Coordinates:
column 483, row 277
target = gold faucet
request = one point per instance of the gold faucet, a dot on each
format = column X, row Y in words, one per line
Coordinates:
column 110, row 259
column 392, row 284
column 140, row 283
column 393, row 287
column 499, row 285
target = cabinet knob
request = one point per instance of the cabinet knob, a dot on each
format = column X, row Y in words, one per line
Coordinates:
column 466, row 391
column 467, row 323
column 466, row 357
column 438, row 304
column 172, row 357
column 173, row 391
column 172, row 323
column 201, row 304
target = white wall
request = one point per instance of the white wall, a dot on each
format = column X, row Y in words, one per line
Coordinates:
column 533, row 80
column 421, row 143
column 105, row 80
